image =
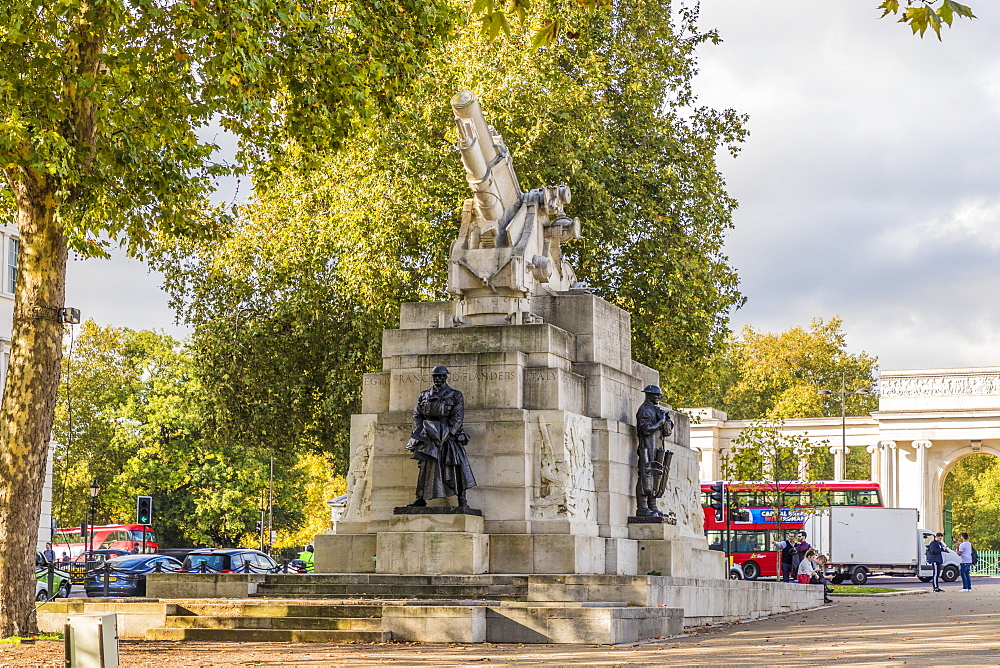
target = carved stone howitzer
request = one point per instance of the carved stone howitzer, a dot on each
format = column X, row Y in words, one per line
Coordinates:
column 508, row 247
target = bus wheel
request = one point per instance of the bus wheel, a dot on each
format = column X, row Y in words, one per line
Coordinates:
column 859, row 575
column 751, row 570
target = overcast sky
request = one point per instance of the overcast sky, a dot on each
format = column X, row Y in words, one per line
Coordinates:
column 869, row 186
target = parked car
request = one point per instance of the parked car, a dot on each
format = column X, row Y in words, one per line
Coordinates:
column 126, row 574
column 229, row 560
column 61, row 581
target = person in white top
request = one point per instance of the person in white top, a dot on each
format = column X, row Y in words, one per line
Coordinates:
column 806, row 567
column 965, row 553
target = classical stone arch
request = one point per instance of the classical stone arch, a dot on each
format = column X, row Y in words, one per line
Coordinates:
column 940, row 474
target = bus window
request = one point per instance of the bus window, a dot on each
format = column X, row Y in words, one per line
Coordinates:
column 866, row 497
column 715, row 539
column 751, row 541
column 841, row 498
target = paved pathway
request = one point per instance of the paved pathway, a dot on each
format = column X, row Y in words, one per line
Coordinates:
column 950, row 629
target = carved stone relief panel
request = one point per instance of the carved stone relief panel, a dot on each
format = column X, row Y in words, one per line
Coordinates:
column 564, row 479
column 359, row 487
column 941, row 386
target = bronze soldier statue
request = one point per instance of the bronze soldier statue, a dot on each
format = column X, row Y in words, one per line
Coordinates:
column 438, row 443
column 654, row 462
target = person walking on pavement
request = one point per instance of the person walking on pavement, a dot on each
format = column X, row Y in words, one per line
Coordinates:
column 934, row 551
column 308, row 558
column 965, row 568
column 49, row 553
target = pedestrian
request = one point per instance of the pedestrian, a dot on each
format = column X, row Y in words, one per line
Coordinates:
column 965, row 568
column 934, row 551
column 65, row 557
column 807, row 567
column 820, row 577
column 49, row 553
column 788, row 553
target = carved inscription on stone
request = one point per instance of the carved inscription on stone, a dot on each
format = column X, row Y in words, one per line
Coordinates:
column 564, row 482
column 359, row 491
column 941, row 386
column 460, row 376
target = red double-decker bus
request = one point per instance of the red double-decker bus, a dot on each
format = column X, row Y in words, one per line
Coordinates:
column 755, row 523
column 126, row 537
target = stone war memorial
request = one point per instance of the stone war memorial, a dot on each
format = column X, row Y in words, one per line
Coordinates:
column 513, row 476
column 576, row 527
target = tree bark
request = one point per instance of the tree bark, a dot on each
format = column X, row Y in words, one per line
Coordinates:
column 27, row 409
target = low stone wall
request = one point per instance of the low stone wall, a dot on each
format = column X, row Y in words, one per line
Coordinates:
column 703, row 601
column 202, row 585
column 134, row 618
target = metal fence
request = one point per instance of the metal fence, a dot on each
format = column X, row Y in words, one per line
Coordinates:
column 989, row 563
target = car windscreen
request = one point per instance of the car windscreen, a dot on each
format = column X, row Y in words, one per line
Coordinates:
column 214, row 562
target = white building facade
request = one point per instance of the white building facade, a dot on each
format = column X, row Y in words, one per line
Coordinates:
column 927, row 421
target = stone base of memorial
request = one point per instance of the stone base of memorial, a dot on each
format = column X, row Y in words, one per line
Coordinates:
column 549, row 409
column 433, row 541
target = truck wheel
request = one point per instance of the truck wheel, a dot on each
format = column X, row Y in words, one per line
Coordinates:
column 859, row 575
column 751, row 570
column 838, row 578
column 949, row 573
column 923, row 578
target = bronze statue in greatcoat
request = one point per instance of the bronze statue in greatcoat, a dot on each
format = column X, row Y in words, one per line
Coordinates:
column 438, row 443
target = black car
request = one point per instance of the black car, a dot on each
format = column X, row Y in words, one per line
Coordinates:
column 126, row 575
column 229, row 560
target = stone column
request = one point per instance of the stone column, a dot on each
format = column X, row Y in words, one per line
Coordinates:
column 839, row 462
column 876, row 471
column 887, row 478
column 920, row 450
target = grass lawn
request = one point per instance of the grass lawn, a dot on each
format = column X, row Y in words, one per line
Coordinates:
column 854, row 589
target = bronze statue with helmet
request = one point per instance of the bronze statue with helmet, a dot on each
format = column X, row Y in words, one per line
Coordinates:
column 653, row 425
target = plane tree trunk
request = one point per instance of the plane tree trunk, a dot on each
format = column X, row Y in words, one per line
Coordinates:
column 27, row 408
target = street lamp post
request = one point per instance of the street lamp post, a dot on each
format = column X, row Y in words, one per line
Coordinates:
column 95, row 487
column 840, row 472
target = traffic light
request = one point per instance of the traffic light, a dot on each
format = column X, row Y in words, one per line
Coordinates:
column 717, row 492
column 144, row 510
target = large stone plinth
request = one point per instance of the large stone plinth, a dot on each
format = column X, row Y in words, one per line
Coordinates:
column 549, row 409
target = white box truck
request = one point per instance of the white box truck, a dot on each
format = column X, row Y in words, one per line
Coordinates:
column 860, row 541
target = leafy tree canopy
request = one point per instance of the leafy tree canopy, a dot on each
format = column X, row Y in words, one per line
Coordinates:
column 101, row 104
column 288, row 309
column 764, row 375
column 130, row 416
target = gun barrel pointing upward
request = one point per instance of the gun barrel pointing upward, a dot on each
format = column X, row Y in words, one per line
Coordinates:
column 478, row 154
column 466, row 107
